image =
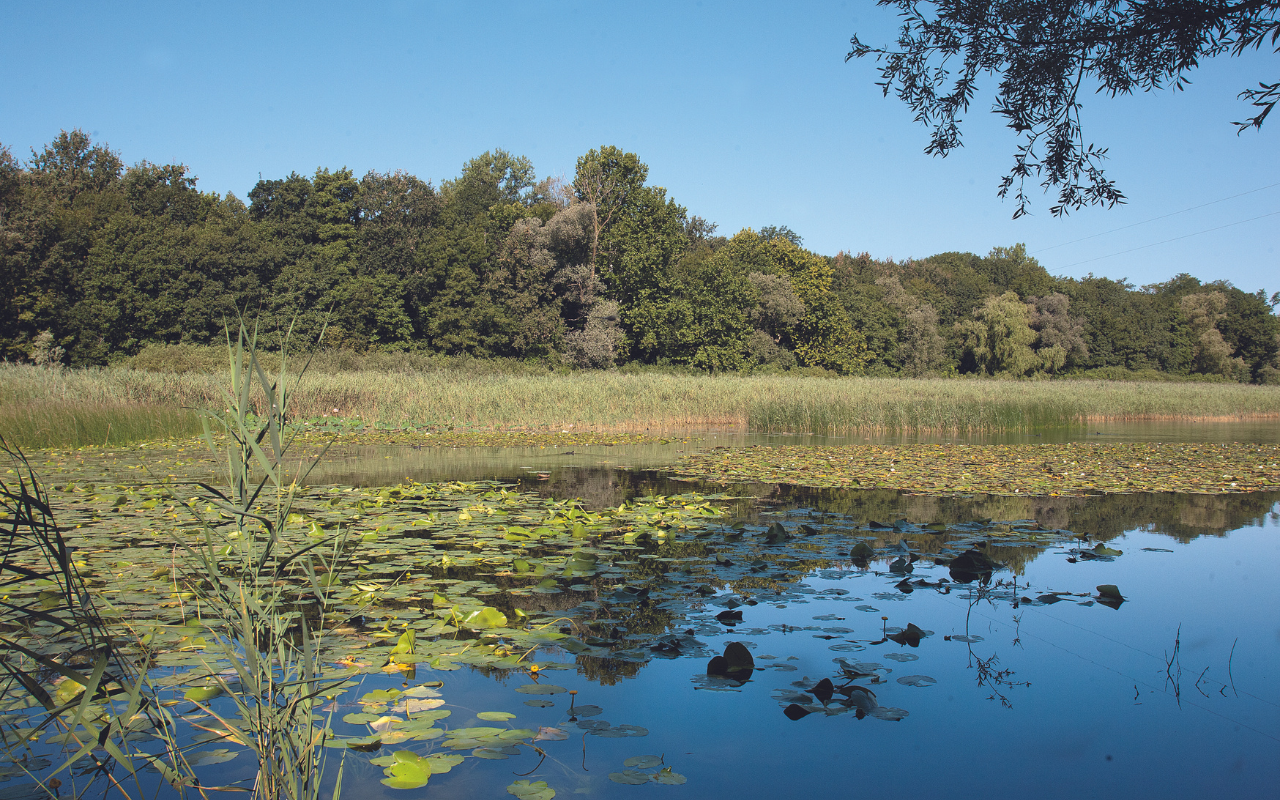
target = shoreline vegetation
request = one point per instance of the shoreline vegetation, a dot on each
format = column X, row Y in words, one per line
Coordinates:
column 43, row 407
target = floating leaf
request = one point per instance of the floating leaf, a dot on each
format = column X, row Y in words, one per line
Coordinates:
column 633, row 777
column 667, row 777
column 487, row 617
column 550, row 735
column 495, row 716
column 541, row 688
column 536, row 790
column 206, row 757
column 201, row 694
column 643, row 762
column 916, row 680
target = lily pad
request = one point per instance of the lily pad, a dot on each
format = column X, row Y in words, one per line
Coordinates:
column 541, row 688
column 531, row 790
column 495, row 716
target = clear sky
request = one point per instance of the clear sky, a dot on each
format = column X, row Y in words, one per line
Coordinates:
column 746, row 112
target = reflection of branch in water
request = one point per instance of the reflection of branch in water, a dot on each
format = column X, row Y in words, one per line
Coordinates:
column 994, row 678
column 1173, row 667
column 988, row 674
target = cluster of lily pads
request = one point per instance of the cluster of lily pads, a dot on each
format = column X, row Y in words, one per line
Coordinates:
column 476, row 575
column 1075, row 468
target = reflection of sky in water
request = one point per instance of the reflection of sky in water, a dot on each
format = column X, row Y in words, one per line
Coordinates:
column 1099, row 718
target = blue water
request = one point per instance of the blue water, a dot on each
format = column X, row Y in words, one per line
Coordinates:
column 1173, row 695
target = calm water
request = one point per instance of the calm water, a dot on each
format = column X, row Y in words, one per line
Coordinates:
column 1020, row 682
column 1172, row 694
column 386, row 465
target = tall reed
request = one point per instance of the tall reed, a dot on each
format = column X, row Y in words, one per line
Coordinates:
column 617, row 401
column 270, row 633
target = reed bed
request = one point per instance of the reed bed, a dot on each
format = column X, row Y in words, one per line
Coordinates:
column 37, row 402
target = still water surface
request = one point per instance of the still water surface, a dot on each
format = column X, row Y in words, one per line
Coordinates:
column 1020, row 682
column 1172, row 694
column 1013, row 691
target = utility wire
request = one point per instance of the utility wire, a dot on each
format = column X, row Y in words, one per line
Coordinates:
column 1153, row 219
column 1174, row 239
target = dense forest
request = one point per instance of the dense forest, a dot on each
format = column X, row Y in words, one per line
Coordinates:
column 99, row 260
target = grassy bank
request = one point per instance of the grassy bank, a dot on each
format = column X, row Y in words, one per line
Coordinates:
column 37, row 406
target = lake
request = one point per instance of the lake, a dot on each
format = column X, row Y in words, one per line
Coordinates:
column 866, row 643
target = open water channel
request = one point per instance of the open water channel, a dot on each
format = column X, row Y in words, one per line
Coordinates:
column 874, row 644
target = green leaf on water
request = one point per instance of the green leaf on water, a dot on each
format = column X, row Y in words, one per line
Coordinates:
column 487, row 617
column 407, row 773
column 206, row 757
column 669, row 778
column 633, row 777
column 495, row 716
column 642, row 762
column 200, row 694
column 531, row 790
column 540, row 688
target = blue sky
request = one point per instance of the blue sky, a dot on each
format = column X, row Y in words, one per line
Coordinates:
column 746, row 113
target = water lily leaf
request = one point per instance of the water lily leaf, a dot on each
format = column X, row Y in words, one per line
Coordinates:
column 206, row 757
column 917, row 680
column 1109, row 595
column 200, row 694
column 633, row 777
column 643, row 762
column 796, row 711
column 539, row 703
column 669, row 778
column 1109, row 591
column 550, row 735
column 495, row 716
column 407, row 774
column 487, row 617
column 540, row 688
column 823, row 690
column 415, row 705
column 888, row 713
column 535, row 790
column 404, row 645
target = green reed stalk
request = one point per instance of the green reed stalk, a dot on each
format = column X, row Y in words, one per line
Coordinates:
column 237, row 575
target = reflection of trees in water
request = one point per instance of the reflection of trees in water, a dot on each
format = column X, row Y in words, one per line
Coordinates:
column 1181, row 516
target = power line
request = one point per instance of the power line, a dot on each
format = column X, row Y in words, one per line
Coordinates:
column 1153, row 219
column 1174, row 239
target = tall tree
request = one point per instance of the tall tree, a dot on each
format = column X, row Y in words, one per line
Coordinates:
column 607, row 179
column 999, row 337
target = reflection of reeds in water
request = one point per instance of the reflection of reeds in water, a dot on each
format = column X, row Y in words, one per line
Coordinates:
column 618, row 401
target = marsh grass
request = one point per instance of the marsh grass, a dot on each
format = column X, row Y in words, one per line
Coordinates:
column 66, row 423
column 622, row 402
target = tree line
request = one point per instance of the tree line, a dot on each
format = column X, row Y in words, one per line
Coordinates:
column 99, row 260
